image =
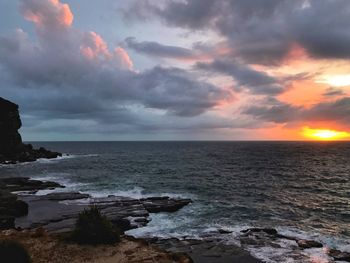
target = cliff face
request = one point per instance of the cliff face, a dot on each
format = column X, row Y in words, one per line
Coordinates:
column 12, row 149
column 10, row 122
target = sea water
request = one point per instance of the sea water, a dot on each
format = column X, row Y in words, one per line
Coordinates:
column 300, row 188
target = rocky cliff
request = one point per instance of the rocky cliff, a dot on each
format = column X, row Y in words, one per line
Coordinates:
column 10, row 122
column 12, row 149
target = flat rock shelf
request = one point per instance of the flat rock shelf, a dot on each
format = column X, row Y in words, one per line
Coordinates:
column 56, row 212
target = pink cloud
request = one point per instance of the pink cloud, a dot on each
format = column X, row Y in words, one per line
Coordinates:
column 47, row 13
column 53, row 21
column 125, row 59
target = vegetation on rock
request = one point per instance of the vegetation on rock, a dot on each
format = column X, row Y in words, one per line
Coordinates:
column 94, row 228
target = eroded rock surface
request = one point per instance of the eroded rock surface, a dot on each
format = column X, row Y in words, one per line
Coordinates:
column 58, row 211
column 204, row 251
column 12, row 207
column 260, row 236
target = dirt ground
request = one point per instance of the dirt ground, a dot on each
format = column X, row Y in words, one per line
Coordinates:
column 44, row 248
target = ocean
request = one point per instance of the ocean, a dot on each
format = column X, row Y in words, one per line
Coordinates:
column 300, row 188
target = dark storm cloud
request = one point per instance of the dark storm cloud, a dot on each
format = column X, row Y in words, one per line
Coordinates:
column 280, row 112
column 323, row 28
column 257, row 82
column 264, row 31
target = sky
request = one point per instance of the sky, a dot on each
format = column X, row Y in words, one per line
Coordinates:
column 177, row 69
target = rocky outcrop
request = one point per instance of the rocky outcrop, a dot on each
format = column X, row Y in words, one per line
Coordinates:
column 16, row 184
column 12, row 207
column 10, row 122
column 257, row 236
column 12, row 149
column 212, row 251
column 58, row 211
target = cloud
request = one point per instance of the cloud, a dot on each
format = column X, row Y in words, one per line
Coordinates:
column 262, row 32
column 155, row 49
column 280, row 112
column 333, row 92
column 257, row 82
column 73, row 75
column 198, row 52
column 47, row 14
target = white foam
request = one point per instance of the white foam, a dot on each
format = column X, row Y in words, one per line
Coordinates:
column 136, row 192
column 165, row 226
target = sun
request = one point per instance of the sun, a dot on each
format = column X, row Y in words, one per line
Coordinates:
column 325, row 134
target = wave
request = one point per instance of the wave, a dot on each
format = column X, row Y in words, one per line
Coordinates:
column 267, row 250
column 52, row 160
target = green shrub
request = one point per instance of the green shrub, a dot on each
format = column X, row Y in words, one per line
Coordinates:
column 13, row 252
column 94, row 228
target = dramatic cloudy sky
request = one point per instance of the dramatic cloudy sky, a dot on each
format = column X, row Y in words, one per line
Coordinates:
column 176, row 69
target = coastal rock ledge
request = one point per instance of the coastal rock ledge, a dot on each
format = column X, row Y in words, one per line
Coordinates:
column 12, row 149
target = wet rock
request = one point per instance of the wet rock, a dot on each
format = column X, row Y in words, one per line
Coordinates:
column 339, row 255
column 10, row 205
column 127, row 213
column 65, row 196
column 164, row 204
column 305, row 244
column 15, row 184
column 204, row 250
column 269, row 231
column 224, row 231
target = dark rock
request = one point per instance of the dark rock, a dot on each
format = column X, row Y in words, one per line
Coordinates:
column 122, row 224
column 204, row 250
column 269, row 231
column 339, row 255
column 15, row 184
column 126, row 213
column 7, row 222
column 162, row 204
column 309, row 244
column 10, row 122
column 224, row 231
column 10, row 205
column 66, row 196
column 20, row 208
column 12, row 148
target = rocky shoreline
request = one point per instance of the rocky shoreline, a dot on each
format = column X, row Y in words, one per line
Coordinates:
column 56, row 213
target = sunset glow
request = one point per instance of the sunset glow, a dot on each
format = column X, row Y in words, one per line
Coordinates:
column 325, row 134
column 178, row 70
column 337, row 81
